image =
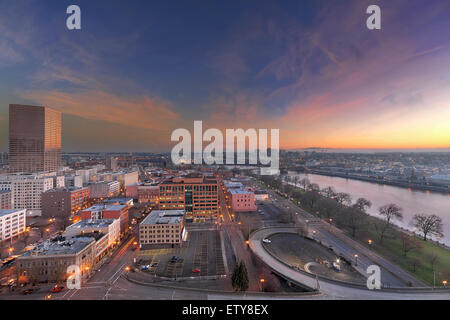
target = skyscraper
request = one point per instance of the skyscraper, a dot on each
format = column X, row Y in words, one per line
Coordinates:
column 34, row 138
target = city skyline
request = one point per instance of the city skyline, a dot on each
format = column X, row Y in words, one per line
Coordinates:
column 311, row 69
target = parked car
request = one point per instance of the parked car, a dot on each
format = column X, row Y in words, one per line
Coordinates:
column 196, row 270
column 28, row 291
column 174, row 259
column 145, row 268
column 57, row 289
column 154, row 264
column 266, row 241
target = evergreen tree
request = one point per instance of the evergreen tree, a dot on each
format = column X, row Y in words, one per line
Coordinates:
column 243, row 276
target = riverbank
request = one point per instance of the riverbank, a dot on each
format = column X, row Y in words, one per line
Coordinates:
column 401, row 184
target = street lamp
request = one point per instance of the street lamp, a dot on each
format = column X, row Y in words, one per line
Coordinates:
column 444, row 283
column 262, row 283
column 356, row 259
column 370, row 242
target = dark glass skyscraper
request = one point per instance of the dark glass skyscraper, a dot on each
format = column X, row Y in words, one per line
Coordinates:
column 34, row 138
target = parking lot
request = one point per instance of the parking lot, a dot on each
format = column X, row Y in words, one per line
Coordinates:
column 200, row 256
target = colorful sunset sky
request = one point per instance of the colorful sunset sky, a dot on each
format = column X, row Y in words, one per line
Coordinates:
column 139, row 69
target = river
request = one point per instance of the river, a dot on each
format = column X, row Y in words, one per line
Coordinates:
column 411, row 201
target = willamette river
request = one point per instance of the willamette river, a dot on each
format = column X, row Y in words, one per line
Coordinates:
column 411, row 201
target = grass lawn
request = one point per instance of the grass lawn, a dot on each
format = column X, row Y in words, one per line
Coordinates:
column 392, row 250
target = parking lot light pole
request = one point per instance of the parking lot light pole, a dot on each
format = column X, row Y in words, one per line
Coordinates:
column 262, row 283
column 356, row 260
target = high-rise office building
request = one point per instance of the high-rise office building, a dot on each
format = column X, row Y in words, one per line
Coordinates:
column 34, row 138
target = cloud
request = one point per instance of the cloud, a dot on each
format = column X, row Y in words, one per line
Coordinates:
column 141, row 112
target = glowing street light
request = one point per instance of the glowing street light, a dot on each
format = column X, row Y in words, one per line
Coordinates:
column 262, row 283
column 444, row 283
column 369, row 241
column 356, row 259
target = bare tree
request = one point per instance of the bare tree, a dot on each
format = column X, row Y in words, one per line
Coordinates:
column 310, row 198
column 343, row 198
column 428, row 224
column 433, row 259
column 362, row 204
column 409, row 244
column 389, row 212
column 329, row 192
column 305, row 183
column 295, row 180
column 354, row 219
column 415, row 263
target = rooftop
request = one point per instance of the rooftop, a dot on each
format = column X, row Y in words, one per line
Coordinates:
column 91, row 223
column 240, row 191
column 4, row 212
column 164, row 217
column 106, row 207
column 60, row 246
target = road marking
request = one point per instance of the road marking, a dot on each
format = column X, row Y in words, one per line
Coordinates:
column 106, row 294
column 115, row 273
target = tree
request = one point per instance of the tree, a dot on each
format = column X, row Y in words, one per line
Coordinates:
column 310, row 198
column 409, row 244
column 239, row 278
column 329, row 192
column 305, row 183
column 362, row 204
column 295, row 180
column 415, row 263
column 433, row 259
column 431, row 224
column 314, row 187
column 354, row 219
column 389, row 212
column 343, row 198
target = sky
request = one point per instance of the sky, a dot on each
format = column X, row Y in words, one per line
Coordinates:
column 137, row 70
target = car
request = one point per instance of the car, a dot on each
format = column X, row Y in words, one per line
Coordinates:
column 57, row 289
column 336, row 266
column 266, row 241
column 145, row 268
column 174, row 259
column 196, row 270
column 154, row 264
column 28, row 291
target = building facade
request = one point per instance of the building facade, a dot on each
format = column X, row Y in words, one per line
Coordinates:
column 242, row 200
column 162, row 228
column 196, row 194
column 101, row 211
column 49, row 260
column 26, row 190
column 12, row 223
column 5, row 199
column 64, row 202
column 104, row 189
column 107, row 229
column 34, row 138
column 148, row 195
